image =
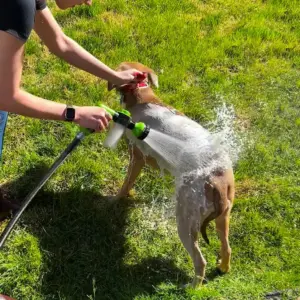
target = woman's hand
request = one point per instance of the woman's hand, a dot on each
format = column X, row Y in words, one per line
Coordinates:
column 92, row 117
column 125, row 77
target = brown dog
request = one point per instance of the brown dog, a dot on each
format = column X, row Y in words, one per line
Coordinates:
column 199, row 199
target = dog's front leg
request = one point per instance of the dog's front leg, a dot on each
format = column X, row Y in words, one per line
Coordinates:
column 137, row 162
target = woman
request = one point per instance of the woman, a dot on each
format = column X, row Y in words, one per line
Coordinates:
column 17, row 19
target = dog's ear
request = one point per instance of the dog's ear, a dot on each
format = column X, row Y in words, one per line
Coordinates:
column 153, row 78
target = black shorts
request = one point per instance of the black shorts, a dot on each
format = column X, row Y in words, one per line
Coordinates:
column 17, row 16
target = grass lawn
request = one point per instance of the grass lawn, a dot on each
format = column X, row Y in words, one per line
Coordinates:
column 71, row 243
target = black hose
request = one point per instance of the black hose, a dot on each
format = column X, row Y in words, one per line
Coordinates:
column 31, row 195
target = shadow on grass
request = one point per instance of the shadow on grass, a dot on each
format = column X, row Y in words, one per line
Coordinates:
column 83, row 240
column 213, row 274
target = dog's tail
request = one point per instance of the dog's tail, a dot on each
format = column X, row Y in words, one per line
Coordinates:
column 219, row 190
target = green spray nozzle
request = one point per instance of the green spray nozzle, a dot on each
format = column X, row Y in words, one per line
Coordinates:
column 140, row 130
column 123, row 117
column 108, row 109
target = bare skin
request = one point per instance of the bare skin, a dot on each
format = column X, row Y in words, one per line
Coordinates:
column 15, row 100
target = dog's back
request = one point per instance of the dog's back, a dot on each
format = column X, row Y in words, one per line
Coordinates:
column 204, row 197
column 177, row 129
column 167, row 120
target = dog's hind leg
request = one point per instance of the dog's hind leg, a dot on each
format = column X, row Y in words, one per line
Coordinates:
column 222, row 226
column 137, row 162
column 189, row 237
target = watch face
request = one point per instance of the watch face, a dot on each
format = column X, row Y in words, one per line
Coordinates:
column 70, row 115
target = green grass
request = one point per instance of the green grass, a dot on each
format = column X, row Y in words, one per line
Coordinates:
column 71, row 243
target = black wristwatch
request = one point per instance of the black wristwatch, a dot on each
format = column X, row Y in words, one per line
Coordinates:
column 70, row 113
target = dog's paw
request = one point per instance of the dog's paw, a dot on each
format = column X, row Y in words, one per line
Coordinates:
column 222, row 269
column 120, row 196
column 189, row 286
column 132, row 193
column 196, row 283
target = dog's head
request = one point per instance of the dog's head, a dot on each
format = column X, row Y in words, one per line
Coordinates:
column 151, row 78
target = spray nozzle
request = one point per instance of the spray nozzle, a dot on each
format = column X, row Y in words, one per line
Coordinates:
column 123, row 117
column 140, row 130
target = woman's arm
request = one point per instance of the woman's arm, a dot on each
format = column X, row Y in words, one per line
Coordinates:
column 13, row 99
column 67, row 49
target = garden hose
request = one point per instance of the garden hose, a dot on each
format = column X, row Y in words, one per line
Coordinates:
column 140, row 130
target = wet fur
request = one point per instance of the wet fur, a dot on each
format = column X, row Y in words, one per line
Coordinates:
column 218, row 187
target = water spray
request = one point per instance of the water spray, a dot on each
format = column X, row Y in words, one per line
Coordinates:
column 122, row 118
